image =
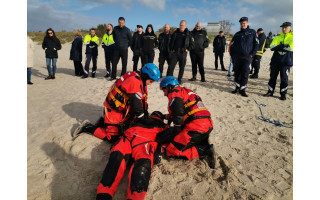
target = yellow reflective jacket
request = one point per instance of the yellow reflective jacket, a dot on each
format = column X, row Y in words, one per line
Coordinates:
column 88, row 39
column 284, row 39
column 107, row 39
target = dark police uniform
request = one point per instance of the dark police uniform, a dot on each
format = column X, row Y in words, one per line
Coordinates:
column 164, row 41
column 201, row 42
column 180, row 42
column 136, row 47
column 243, row 47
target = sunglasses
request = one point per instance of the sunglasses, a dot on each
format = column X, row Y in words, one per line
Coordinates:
column 50, row 33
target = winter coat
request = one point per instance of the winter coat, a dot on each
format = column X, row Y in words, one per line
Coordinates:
column 188, row 43
column 201, row 40
column 52, row 47
column 282, row 45
column 150, row 40
column 76, row 49
column 122, row 37
column 135, row 47
column 30, row 49
column 244, row 44
column 219, row 44
column 163, row 44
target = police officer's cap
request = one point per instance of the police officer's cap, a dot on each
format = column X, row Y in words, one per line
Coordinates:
column 286, row 24
column 259, row 29
column 243, row 19
column 139, row 26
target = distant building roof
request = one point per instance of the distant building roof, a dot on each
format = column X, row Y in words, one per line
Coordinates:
column 213, row 27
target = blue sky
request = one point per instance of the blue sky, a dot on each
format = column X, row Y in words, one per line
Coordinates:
column 84, row 14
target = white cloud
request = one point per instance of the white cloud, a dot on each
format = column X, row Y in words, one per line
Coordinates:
column 42, row 16
column 154, row 4
column 126, row 4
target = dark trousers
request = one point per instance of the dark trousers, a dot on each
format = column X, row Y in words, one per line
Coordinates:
column 256, row 64
column 284, row 73
column 78, row 68
column 148, row 57
column 108, row 55
column 88, row 60
column 135, row 59
column 220, row 55
column 177, row 56
column 197, row 59
column 117, row 54
column 241, row 67
column 163, row 57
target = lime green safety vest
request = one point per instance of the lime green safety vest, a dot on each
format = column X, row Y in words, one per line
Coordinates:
column 284, row 39
column 88, row 38
column 107, row 39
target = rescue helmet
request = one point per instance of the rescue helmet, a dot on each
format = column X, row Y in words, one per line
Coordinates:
column 152, row 71
column 169, row 82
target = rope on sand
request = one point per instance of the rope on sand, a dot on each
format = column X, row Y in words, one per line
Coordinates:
column 277, row 123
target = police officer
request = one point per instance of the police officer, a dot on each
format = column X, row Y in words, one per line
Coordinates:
column 257, row 58
column 122, row 37
column 243, row 47
column 136, row 47
column 181, row 42
column 282, row 60
column 108, row 45
column 219, row 47
column 164, row 49
column 201, row 42
column 91, row 41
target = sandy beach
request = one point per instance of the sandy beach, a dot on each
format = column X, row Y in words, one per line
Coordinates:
column 255, row 158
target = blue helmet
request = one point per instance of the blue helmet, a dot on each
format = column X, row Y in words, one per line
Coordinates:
column 169, row 81
column 152, row 71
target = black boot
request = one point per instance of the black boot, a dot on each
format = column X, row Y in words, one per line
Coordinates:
column 269, row 94
column 203, row 79
column 193, row 79
column 30, row 83
column 236, row 90
column 48, row 77
column 93, row 75
column 103, row 196
column 283, row 97
column 53, row 76
column 243, row 93
column 85, row 76
column 254, row 75
column 206, row 151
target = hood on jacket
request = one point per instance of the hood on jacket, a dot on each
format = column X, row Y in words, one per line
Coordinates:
column 152, row 32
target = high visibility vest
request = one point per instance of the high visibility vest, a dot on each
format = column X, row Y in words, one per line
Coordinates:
column 284, row 39
column 118, row 97
column 193, row 105
column 107, row 39
column 88, row 39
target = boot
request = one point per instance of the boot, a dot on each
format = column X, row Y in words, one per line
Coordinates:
column 30, row 83
column 85, row 76
column 192, row 79
column 236, row 90
column 254, row 75
column 103, row 196
column 93, row 75
column 243, row 93
column 283, row 97
column 269, row 94
column 211, row 157
column 48, row 77
column 203, row 79
column 206, row 151
column 53, row 76
column 223, row 69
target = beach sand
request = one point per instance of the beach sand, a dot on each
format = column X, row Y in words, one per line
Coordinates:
column 255, row 158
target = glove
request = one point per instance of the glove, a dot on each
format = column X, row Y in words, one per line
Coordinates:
column 278, row 48
column 165, row 136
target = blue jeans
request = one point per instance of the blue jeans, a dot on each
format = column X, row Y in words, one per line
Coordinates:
column 230, row 66
column 28, row 74
column 54, row 61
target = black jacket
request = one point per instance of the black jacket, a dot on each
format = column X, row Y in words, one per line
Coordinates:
column 262, row 42
column 244, row 44
column 122, row 37
column 136, row 38
column 164, row 42
column 50, row 45
column 188, row 43
column 201, row 40
column 76, row 49
column 219, row 44
column 150, row 41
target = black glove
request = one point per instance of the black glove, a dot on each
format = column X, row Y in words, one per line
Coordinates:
column 165, row 136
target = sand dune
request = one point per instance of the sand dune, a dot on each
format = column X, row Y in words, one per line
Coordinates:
column 255, row 157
